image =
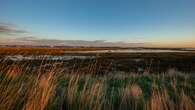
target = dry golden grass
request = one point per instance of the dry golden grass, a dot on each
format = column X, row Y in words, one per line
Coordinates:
column 136, row 91
column 45, row 51
column 56, row 89
column 186, row 103
column 39, row 94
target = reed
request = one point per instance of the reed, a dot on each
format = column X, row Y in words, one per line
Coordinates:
column 55, row 88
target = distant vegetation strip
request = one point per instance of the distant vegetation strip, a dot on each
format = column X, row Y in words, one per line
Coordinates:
column 80, row 50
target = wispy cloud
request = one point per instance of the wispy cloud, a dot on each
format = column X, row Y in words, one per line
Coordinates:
column 55, row 42
column 27, row 38
column 10, row 28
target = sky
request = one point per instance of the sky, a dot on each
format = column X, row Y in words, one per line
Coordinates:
column 163, row 23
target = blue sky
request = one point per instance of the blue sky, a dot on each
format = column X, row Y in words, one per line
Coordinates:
column 156, row 21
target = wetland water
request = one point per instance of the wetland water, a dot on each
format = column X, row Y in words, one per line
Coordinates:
column 156, row 60
column 138, row 51
column 78, row 55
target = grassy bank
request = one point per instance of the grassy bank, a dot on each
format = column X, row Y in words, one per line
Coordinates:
column 54, row 88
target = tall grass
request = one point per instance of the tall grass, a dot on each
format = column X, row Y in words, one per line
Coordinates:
column 54, row 88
